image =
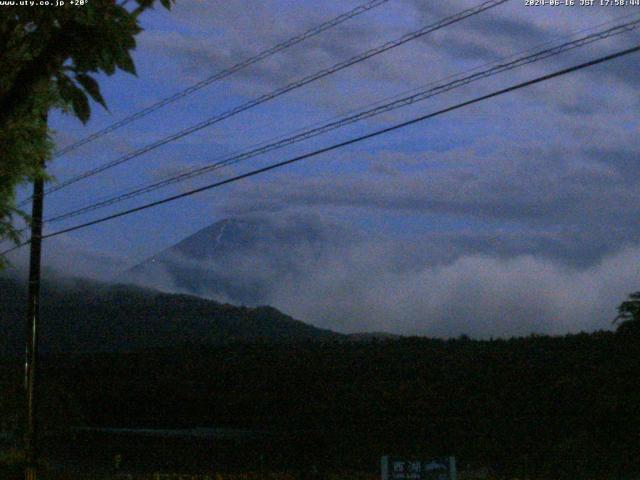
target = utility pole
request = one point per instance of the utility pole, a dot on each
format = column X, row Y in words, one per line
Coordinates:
column 32, row 326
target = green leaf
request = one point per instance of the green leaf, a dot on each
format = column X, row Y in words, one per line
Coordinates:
column 125, row 62
column 80, row 105
column 106, row 62
column 92, row 88
column 70, row 93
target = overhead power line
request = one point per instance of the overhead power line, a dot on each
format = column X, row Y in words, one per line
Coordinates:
column 393, row 105
column 281, row 91
column 312, row 32
column 336, row 146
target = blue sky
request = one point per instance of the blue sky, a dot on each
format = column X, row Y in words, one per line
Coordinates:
column 536, row 187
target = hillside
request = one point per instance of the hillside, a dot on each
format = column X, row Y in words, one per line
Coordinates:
column 80, row 315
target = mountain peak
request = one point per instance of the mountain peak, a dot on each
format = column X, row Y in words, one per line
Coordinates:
column 236, row 259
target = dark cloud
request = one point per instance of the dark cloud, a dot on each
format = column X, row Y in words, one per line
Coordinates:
column 535, row 186
column 503, row 30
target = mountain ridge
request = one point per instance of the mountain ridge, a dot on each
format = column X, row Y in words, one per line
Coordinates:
column 83, row 315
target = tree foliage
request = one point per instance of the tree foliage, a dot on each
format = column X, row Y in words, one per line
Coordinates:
column 49, row 59
column 555, row 407
column 629, row 314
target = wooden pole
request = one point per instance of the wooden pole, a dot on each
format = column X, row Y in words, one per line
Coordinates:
column 32, row 329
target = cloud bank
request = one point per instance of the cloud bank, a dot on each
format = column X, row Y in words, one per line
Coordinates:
column 435, row 285
column 477, row 295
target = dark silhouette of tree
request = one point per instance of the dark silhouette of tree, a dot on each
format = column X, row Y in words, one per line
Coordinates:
column 628, row 318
